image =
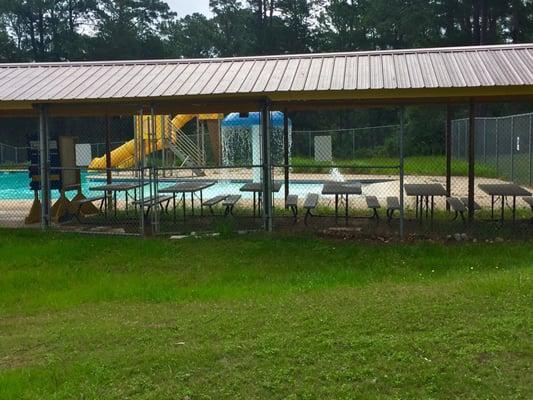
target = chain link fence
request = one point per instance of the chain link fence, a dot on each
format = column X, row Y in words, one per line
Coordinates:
column 503, row 144
column 171, row 177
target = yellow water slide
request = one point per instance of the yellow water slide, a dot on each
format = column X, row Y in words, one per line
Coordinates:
column 124, row 156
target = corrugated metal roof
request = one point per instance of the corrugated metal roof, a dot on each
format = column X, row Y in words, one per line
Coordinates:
column 358, row 72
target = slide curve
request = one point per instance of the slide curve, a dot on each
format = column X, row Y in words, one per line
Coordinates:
column 124, row 155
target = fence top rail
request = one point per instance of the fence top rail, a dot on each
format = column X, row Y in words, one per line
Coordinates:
column 502, row 117
column 346, row 129
column 13, row 147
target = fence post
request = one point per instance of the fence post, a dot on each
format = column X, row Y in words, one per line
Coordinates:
column 44, row 161
column 309, row 143
column 466, row 138
column 353, row 144
column 286, row 151
column 471, row 159
column 497, row 144
column 484, row 141
column 140, row 144
column 530, row 152
column 512, row 149
column 402, row 205
column 266, row 164
column 448, row 140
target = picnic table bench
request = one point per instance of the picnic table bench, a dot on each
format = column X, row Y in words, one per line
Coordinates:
column 393, row 204
column 229, row 202
column 292, row 203
column 310, row 203
column 150, row 202
column 373, row 204
column 458, row 206
column 89, row 200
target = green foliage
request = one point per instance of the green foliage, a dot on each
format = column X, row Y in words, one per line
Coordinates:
column 373, row 164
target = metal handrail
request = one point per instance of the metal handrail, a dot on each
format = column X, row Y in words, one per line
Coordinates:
column 183, row 144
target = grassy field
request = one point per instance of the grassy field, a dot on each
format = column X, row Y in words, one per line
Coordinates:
column 415, row 165
column 261, row 317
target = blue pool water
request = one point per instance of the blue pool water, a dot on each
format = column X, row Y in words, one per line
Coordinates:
column 15, row 186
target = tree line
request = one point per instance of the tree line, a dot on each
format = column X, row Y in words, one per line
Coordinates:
column 74, row 30
column 77, row 30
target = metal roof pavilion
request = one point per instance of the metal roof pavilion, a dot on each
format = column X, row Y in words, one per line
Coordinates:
column 454, row 74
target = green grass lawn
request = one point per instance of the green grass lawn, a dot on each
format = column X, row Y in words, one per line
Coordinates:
column 260, row 317
column 414, row 165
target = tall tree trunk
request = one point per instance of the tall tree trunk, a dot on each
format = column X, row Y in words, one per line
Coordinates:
column 484, row 22
column 476, row 26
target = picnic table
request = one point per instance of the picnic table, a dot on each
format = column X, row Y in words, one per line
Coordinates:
column 343, row 190
column 184, row 188
column 114, row 188
column 424, row 191
column 257, row 189
column 503, row 190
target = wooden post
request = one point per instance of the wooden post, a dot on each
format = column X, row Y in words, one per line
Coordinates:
column 471, row 159
column 286, row 151
column 448, row 134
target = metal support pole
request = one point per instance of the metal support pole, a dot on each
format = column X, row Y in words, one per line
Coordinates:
column 466, row 140
column 402, row 173
column 471, row 159
column 108, row 159
column 530, row 151
column 286, row 151
column 153, row 171
column 309, row 145
column 108, row 148
column 140, row 142
column 448, row 140
column 44, row 163
column 266, row 161
column 512, row 149
column 484, row 141
column 164, row 144
column 198, row 140
column 496, row 140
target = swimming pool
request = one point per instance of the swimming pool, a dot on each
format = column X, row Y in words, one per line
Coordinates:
column 14, row 185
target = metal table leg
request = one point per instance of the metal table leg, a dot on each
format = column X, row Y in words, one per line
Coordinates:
column 192, row 203
column 254, row 211
column 346, row 210
column 126, row 193
column 503, row 210
column 336, row 208
column 514, row 209
column 432, row 209
column 174, row 206
column 184, row 208
column 201, row 203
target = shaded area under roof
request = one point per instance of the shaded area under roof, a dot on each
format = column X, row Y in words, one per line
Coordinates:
column 503, row 72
